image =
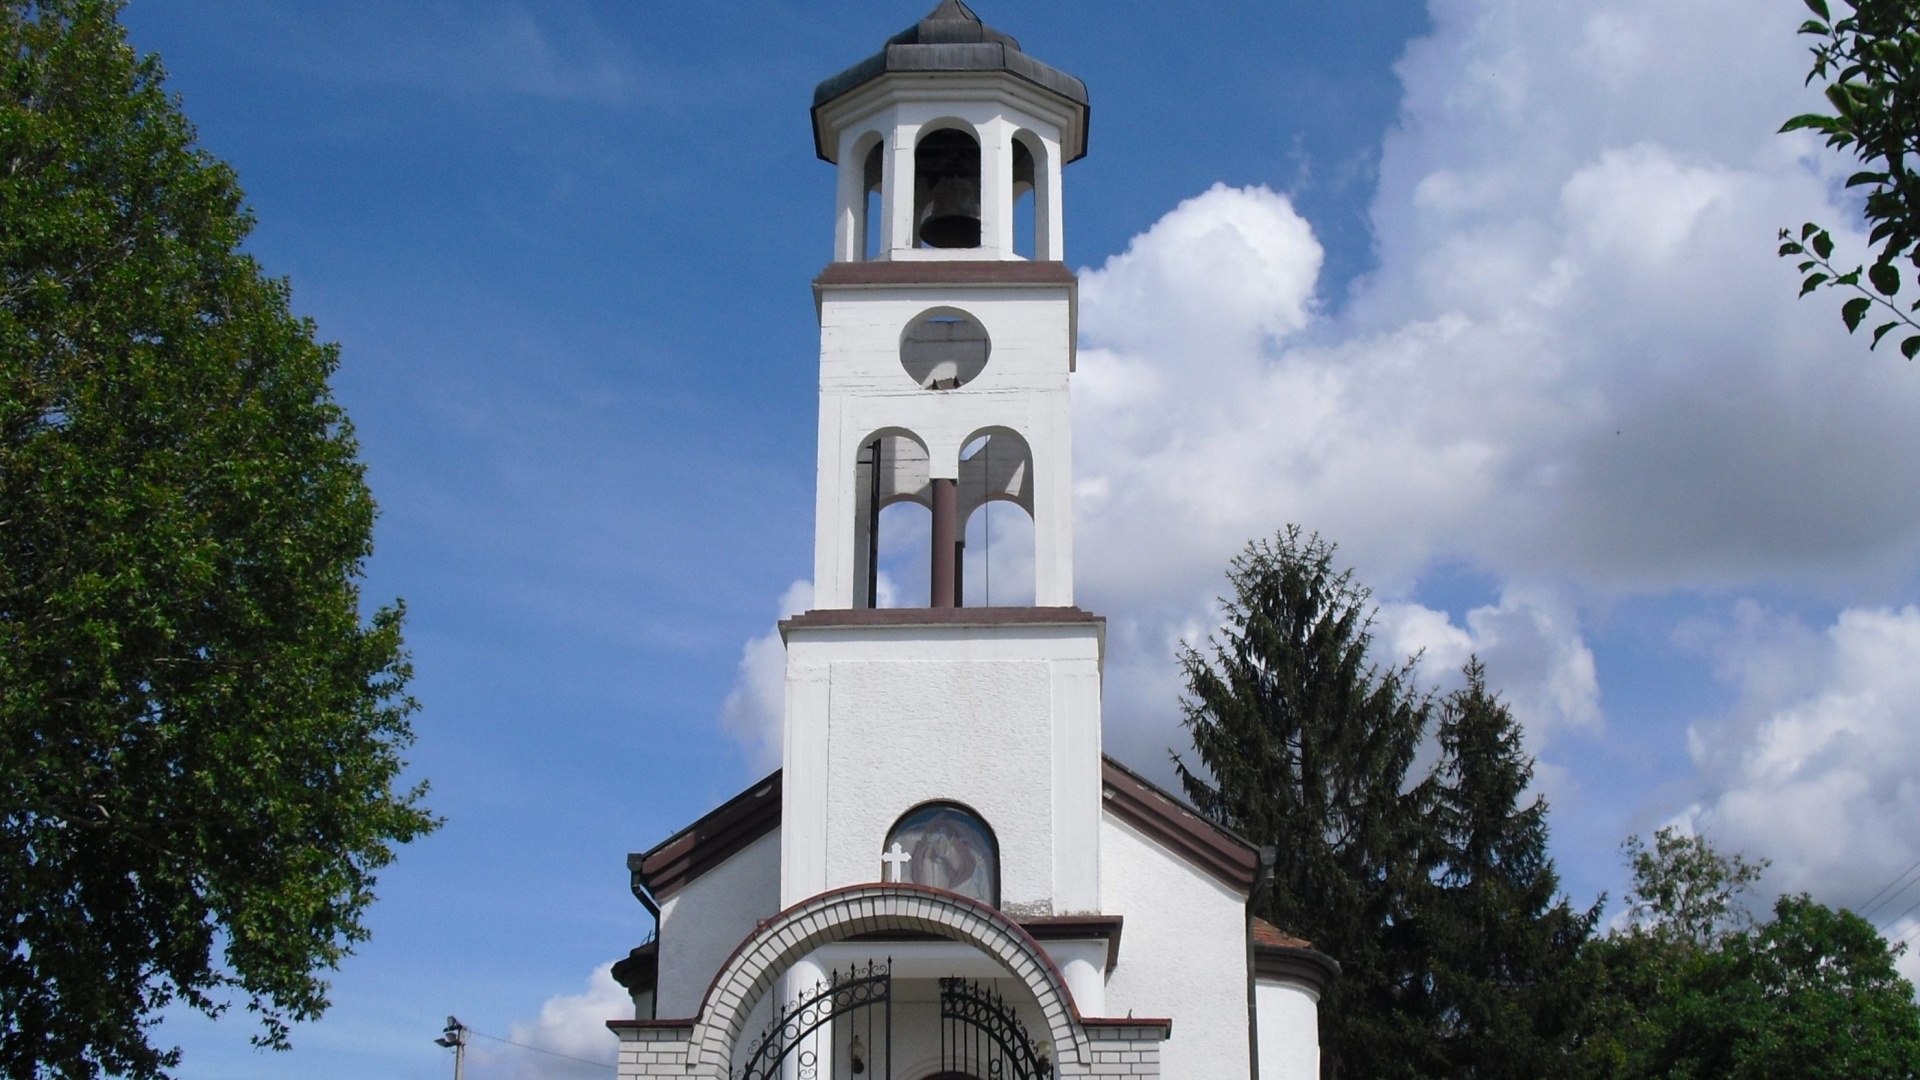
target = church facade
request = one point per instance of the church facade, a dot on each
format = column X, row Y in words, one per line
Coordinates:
column 947, row 878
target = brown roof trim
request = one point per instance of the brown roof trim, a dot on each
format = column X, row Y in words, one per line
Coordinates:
column 639, row 972
column 651, row 1025
column 832, row 618
column 888, row 273
column 710, row 841
column 1043, row 928
column 1309, row 968
column 1079, row 928
column 1129, row 1028
column 1265, row 933
column 1139, row 802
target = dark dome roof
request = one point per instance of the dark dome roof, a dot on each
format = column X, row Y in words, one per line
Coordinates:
column 951, row 38
column 952, row 23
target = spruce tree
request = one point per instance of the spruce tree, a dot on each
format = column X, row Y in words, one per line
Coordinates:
column 1504, row 943
column 1303, row 743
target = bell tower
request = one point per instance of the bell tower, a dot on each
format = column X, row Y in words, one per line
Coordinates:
column 947, row 326
column 947, row 317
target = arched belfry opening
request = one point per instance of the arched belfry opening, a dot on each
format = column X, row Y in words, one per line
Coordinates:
column 995, row 507
column 891, row 502
column 872, row 177
column 946, row 189
column 1027, row 155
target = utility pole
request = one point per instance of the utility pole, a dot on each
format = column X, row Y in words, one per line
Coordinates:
column 455, row 1038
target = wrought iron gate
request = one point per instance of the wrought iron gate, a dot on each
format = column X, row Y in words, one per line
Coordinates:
column 859, row 993
column 982, row 1036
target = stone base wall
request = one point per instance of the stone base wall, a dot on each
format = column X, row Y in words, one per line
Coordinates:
column 653, row 1048
column 1129, row 1049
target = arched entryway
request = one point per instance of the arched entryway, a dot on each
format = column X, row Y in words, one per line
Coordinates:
column 844, row 914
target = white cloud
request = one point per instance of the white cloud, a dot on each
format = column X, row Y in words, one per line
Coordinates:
column 1815, row 769
column 1579, row 368
column 567, row 1041
column 1532, row 648
column 754, row 710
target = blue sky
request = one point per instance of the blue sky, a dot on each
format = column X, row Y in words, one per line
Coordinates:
column 1483, row 290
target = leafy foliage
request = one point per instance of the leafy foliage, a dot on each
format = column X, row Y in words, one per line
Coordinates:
column 1693, row 988
column 199, row 734
column 1869, row 58
column 1686, row 892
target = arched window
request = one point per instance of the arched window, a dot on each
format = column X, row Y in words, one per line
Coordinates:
column 944, row 845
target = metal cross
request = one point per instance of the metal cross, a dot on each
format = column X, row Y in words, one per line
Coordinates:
column 896, row 859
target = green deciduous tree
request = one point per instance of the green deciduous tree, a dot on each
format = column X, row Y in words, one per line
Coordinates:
column 1694, row 988
column 1504, row 941
column 1868, row 57
column 1686, row 892
column 1304, row 744
column 199, row 731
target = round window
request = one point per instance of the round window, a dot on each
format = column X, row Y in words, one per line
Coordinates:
column 944, row 349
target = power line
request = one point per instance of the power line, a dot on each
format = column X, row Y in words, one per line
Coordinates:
column 1866, row 909
column 1915, row 906
column 537, row 1050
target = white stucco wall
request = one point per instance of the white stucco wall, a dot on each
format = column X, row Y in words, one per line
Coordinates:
column 864, row 390
column 1183, row 954
column 1289, row 1021
column 705, row 921
column 1003, row 719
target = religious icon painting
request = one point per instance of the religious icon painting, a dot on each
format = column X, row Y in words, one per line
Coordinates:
column 948, row 847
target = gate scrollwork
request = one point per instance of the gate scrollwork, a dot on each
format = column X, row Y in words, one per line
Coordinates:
column 845, row 993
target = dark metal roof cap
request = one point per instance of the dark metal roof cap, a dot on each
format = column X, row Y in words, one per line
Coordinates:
column 952, row 23
column 951, row 38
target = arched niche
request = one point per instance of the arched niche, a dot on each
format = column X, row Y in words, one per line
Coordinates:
column 890, row 470
column 947, row 846
column 946, row 186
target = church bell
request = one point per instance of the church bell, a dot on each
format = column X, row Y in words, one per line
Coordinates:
column 946, row 168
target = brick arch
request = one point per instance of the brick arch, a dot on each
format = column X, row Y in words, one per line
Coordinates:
column 866, row 909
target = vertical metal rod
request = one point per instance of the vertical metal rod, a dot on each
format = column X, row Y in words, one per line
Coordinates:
column 940, row 590
column 873, row 527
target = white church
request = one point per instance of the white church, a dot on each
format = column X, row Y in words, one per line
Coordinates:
column 947, row 879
